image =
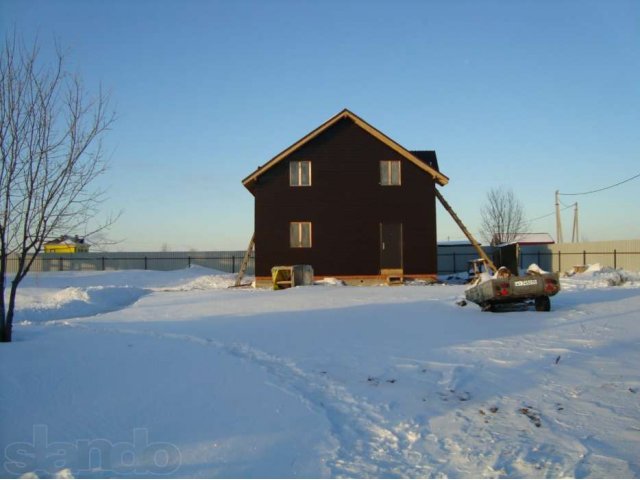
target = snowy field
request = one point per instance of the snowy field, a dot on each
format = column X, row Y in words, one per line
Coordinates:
column 153, row 374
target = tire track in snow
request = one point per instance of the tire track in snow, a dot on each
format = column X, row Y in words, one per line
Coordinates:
column 366, row 445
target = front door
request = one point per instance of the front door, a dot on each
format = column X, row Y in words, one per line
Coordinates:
column 390, row 245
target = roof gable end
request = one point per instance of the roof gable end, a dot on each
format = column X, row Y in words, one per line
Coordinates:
column 426, row 161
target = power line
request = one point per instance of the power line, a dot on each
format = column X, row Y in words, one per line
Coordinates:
column 602, row 189
column 552, row 213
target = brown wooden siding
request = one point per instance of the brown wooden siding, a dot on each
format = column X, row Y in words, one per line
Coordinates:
column 346, row 205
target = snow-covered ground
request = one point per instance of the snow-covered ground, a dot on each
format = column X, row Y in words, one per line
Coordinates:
column 153, row 374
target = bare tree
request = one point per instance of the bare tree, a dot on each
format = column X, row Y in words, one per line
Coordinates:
column 50, row 145
column 502, row 217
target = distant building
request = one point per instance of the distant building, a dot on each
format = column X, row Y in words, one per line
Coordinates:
column 66, row 244
column 527, row 239
column 455, row 243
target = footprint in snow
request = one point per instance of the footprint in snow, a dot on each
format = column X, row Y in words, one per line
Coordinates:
column 461, row 396
column 375, row 381
column 532, row 415
column 491, row 409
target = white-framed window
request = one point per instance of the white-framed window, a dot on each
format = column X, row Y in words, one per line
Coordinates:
column 300, row 234
column 390, row 172
column 300, row 173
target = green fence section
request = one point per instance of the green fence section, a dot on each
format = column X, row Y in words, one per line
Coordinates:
column 227, row 261
column 556, row 258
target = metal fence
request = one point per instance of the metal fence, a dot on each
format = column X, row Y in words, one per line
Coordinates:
column 547, row 260
column 228, row 261
column 617, row 253
column 564, row 261
column 455, row 261
column 553, row 258
column 450, row 260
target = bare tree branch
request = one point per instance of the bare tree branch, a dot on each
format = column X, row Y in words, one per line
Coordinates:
column 51, row 150
column 503, row 217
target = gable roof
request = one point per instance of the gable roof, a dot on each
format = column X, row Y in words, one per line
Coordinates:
column 534, row 238
column 428, row 157
column 425, row 160
column 531, row 239
column 67, row 240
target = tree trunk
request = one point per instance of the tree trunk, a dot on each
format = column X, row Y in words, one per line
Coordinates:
column 7, row 325
column 7, row 328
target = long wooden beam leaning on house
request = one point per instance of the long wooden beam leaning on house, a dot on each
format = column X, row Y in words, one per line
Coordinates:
column 476, row 245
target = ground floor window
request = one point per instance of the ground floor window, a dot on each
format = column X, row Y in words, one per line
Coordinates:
column 300, row 234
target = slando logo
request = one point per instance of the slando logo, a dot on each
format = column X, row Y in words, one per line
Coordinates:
column 98, row 455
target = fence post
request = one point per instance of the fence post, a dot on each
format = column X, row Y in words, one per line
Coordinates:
column 60, row 264
column 145, row 262
column 559, row 261
column 615, row 259
column 584, row 257
column 233, row 264
column 103, row 264
column 189, row 261
column 454, row 263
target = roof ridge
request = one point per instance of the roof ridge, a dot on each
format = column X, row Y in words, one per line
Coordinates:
column 346, row 113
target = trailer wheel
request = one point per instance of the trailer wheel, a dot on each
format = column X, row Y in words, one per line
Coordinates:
column 543, row 304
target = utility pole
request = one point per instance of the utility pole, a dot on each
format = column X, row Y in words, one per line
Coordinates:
column 559, row 238
column 575, row 235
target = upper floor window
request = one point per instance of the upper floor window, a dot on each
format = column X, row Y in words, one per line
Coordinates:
column 300, row 173
column 390, row 172
column 300, row 234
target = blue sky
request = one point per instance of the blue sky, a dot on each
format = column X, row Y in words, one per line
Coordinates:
column 536, row 96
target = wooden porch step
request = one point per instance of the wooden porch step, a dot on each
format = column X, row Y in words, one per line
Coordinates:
column 394, row 276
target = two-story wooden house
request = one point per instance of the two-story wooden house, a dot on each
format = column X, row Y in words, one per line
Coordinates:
column 349, row 201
